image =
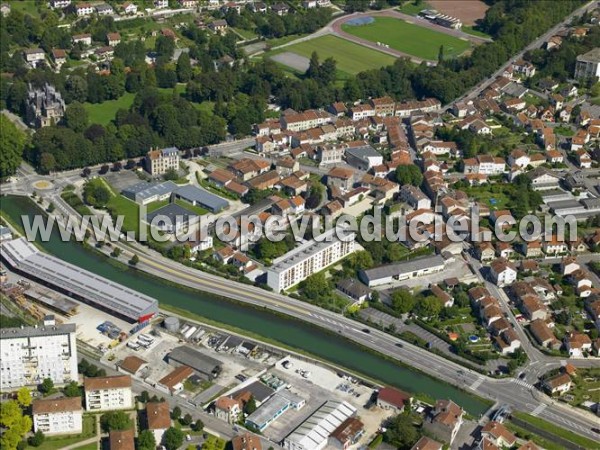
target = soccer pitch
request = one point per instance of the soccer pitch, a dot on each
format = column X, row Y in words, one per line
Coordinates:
column 351, row 58
column 408, row 38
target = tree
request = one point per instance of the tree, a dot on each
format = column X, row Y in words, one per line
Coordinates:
column 76, row 117
column 176, row 413
column 409, row 175
column 95, row 193
column 171, row 175
column 314, row 66
column 401, row 432
column 250, row 405
column 184, row 68
column 441, row 55
column 187, row 419
column 429, row 306
column 37, row 439
column 47, row 386
column 146, row 440
column 165, row 46
column 403, row 301
column 173, row 438
column 116, row 252
column 134, row 259
column 315, row 286
column 115, row 421
column 144, row 397
column 198, row 425
column 362, row 260
column 15, row 425
column 24, row 397
column 72, row 389
column 11, row 147
column 47, row 162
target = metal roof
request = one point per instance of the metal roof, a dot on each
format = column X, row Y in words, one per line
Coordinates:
column 319, row 426
column 411, row 265
column 203, row 198
column 25, row 256
column 144, row 190
column 29, row 332
column 198, row 361
column 364, row 151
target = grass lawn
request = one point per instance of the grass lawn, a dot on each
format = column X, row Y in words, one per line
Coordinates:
column 88, row 447
column 26, row 7
column 525, row 434
column 122, row 206
column 246, row 34
column 413, row 8
column 351, row 58
column 55, row 443
column 214, row 443
column 564, row 131
column 193, row 208
column 409, row 38
column 553, row 429
column 496, row 196
column 470, row 30
column 104, row 112
column 283, row 40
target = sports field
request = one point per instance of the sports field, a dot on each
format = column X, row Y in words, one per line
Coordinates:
column 351, row 58
column 408, row 38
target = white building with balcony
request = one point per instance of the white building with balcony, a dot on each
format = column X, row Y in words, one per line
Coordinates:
column 108, row 393
column 29, row 355
column 58, row 415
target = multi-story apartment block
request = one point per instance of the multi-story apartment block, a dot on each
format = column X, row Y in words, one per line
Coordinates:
column 31, row 354
column 57, row 415
column 304, row 121
column 588, row 65
column 383, row 106
column 330, row 153
column 308, row 259
column 108, row 393
column 158, row 162
column 44, row 106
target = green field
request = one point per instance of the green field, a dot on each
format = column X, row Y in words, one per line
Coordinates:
column 104, row 112
column 409, row 38
column 351, row 58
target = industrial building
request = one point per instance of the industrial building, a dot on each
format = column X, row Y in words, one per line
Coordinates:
column 100, row 292
column 171, row 218
column 413, row 268
column 31, row 354
column 274, row 407
column 314, row 432
column 143, row 193
column 199, row 197
column 307, row 259
column 202, row 364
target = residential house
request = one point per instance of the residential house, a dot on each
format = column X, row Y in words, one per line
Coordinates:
column 218, row 26
column 228, row 409
column 445, row 420
column 383, row 106
column 340, row 178
column 85, row 39
column 393, row 399
column 346, row 434
column 577, row 344
column 113, row 39
column 544, row 335
column 498, row 434
column 129, row 8
column 160, row 161
column 121, row 439
column 34, row 56
column 158, row 419
column 426, row 443
column 558, row 384
column 503, row 272
column 84, row 9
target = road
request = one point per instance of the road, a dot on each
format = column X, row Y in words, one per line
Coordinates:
column 476, row 90
column 518, row 393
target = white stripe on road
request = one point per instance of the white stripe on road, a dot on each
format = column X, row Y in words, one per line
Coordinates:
column 538, row 410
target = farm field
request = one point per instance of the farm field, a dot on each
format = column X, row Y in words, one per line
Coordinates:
column 351, row 58
column 408, row 38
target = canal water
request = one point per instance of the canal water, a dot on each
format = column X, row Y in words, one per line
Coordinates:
column 293, row 333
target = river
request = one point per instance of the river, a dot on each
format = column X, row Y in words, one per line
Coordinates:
column 290, row 332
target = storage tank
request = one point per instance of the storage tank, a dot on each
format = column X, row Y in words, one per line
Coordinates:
column 172, row 324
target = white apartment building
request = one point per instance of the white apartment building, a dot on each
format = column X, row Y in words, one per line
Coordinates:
column 307, row 259
column 108, row 393
column 158, row 162
column 58, row 416
column 29, row 355
column 304, row 121
column 84, row 9
column 588, row 65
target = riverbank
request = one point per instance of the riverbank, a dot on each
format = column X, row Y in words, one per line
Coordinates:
column 253, row 321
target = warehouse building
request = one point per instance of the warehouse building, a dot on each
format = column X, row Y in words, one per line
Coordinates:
column 314, row 432
column 274, row 407
column 202, row 364
column 199, row 197
column 100, row 292
column 29, row 355
column 307, row 259
column 143, row 193
column 413, row 268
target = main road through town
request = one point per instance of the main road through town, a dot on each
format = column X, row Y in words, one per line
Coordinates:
column 519, row 395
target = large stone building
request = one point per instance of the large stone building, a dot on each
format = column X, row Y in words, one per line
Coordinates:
column 31, row 354
column 159, row 161
column 44, row 106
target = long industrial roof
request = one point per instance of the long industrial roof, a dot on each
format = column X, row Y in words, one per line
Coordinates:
column 24, row 256
column 317, row 428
